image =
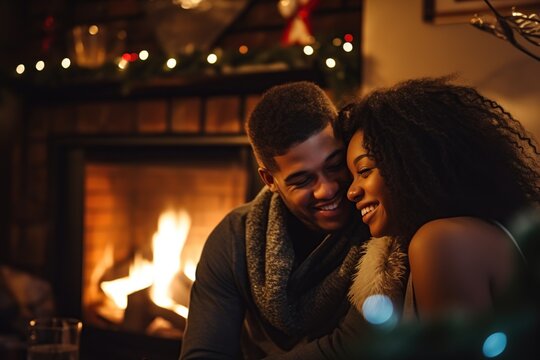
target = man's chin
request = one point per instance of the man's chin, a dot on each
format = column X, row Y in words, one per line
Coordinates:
column 333, row 226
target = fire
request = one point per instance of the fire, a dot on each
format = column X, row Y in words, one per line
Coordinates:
column 159, row 274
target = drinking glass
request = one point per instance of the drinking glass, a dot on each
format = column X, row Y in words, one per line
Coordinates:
column 54, row 339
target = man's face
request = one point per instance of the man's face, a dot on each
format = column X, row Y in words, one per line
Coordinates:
column 312, row 179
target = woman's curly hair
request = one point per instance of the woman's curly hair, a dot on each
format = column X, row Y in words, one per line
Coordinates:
column 445, row 150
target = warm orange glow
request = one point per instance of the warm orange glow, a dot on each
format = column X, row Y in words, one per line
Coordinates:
column 167, row 245
column 243, row 49
column 168, row 242
column 140, row 277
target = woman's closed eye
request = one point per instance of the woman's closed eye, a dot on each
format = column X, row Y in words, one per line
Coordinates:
column 365, row 171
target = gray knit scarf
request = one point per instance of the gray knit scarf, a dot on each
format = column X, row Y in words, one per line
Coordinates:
column 274, row 285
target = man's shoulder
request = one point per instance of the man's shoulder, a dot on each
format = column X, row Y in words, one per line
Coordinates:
column 237, row 216
column 233, row 225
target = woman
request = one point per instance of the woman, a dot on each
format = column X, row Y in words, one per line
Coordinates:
column 438, row 168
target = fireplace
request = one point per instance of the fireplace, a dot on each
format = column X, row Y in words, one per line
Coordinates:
column 132, row 216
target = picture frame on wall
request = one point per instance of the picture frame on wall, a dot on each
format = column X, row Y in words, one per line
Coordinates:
column 461, row 11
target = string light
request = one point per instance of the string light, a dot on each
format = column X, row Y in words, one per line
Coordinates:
column 171, row 63
column 331, row 63
column 243, row 49
column 40, row 65
column 66, row 63
column 20, row 69
column 331, row 59
column 308, row 50
column 143, row 55
column 121, row 35
column 212, row 58
column 130, row 57
column 93, row 29
column 122, row 63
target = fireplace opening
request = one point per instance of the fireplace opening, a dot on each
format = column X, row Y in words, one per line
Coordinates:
column 132, row 222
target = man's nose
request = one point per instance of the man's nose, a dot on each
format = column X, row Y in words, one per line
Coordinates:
column 326, row 189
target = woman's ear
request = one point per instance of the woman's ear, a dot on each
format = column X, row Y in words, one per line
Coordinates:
column 267, row 178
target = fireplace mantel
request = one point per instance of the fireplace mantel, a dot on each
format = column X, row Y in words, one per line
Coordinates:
column 154, row 88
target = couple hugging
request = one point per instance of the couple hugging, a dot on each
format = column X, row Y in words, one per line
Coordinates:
column 399, row 198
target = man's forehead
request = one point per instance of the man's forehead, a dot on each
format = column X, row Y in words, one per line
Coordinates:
column 312, row 153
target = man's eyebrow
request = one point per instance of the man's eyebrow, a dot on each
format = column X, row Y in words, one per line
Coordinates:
column 301, row 173
column 358, row 158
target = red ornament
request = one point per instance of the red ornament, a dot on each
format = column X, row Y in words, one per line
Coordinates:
column 298, row 29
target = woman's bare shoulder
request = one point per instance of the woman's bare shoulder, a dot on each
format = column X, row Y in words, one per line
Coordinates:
column 456, row 234
column 454, row 260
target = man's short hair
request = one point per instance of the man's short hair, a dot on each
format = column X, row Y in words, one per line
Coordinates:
column 285, row 116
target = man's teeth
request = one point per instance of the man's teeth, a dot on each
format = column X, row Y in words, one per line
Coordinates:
column 367, row 209
column 331, row 206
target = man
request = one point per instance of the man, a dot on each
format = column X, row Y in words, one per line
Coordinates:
column 275, row 272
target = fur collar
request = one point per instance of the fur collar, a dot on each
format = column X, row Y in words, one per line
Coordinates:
column 382, row 269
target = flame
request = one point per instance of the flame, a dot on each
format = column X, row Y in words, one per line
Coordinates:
column 189, row 270
column 140, row 277
column 167, row 245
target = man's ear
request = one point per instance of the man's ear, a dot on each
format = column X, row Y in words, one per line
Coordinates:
column 267, row 178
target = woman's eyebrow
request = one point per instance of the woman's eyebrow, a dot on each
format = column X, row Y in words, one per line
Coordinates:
column 358, row 158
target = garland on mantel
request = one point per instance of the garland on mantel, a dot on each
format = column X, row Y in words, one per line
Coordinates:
column 337, row 59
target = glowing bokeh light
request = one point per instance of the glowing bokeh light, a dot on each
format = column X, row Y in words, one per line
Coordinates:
column 40, row 65
column 66, row 63
column 20, row 69
column 143, row 55
column 347, row 47
column 377, row 309
column 243, row 49
column 331, row 63
column 348, row 38
column 336, row 42
column 171, row 63
column 123, row 63
column 121, row 35
column 494, row 344
column 93, row 29
column 308, row 50
column 211, row 58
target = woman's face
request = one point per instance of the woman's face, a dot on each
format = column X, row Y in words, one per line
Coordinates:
column 368, row 189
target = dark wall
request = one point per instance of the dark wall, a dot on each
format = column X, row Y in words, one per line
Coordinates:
column 8, row 115
column 7, row 121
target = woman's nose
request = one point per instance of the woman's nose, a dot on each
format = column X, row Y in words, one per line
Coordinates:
column 355, row 193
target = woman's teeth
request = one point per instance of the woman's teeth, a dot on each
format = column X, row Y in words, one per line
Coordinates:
column 367, row 209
